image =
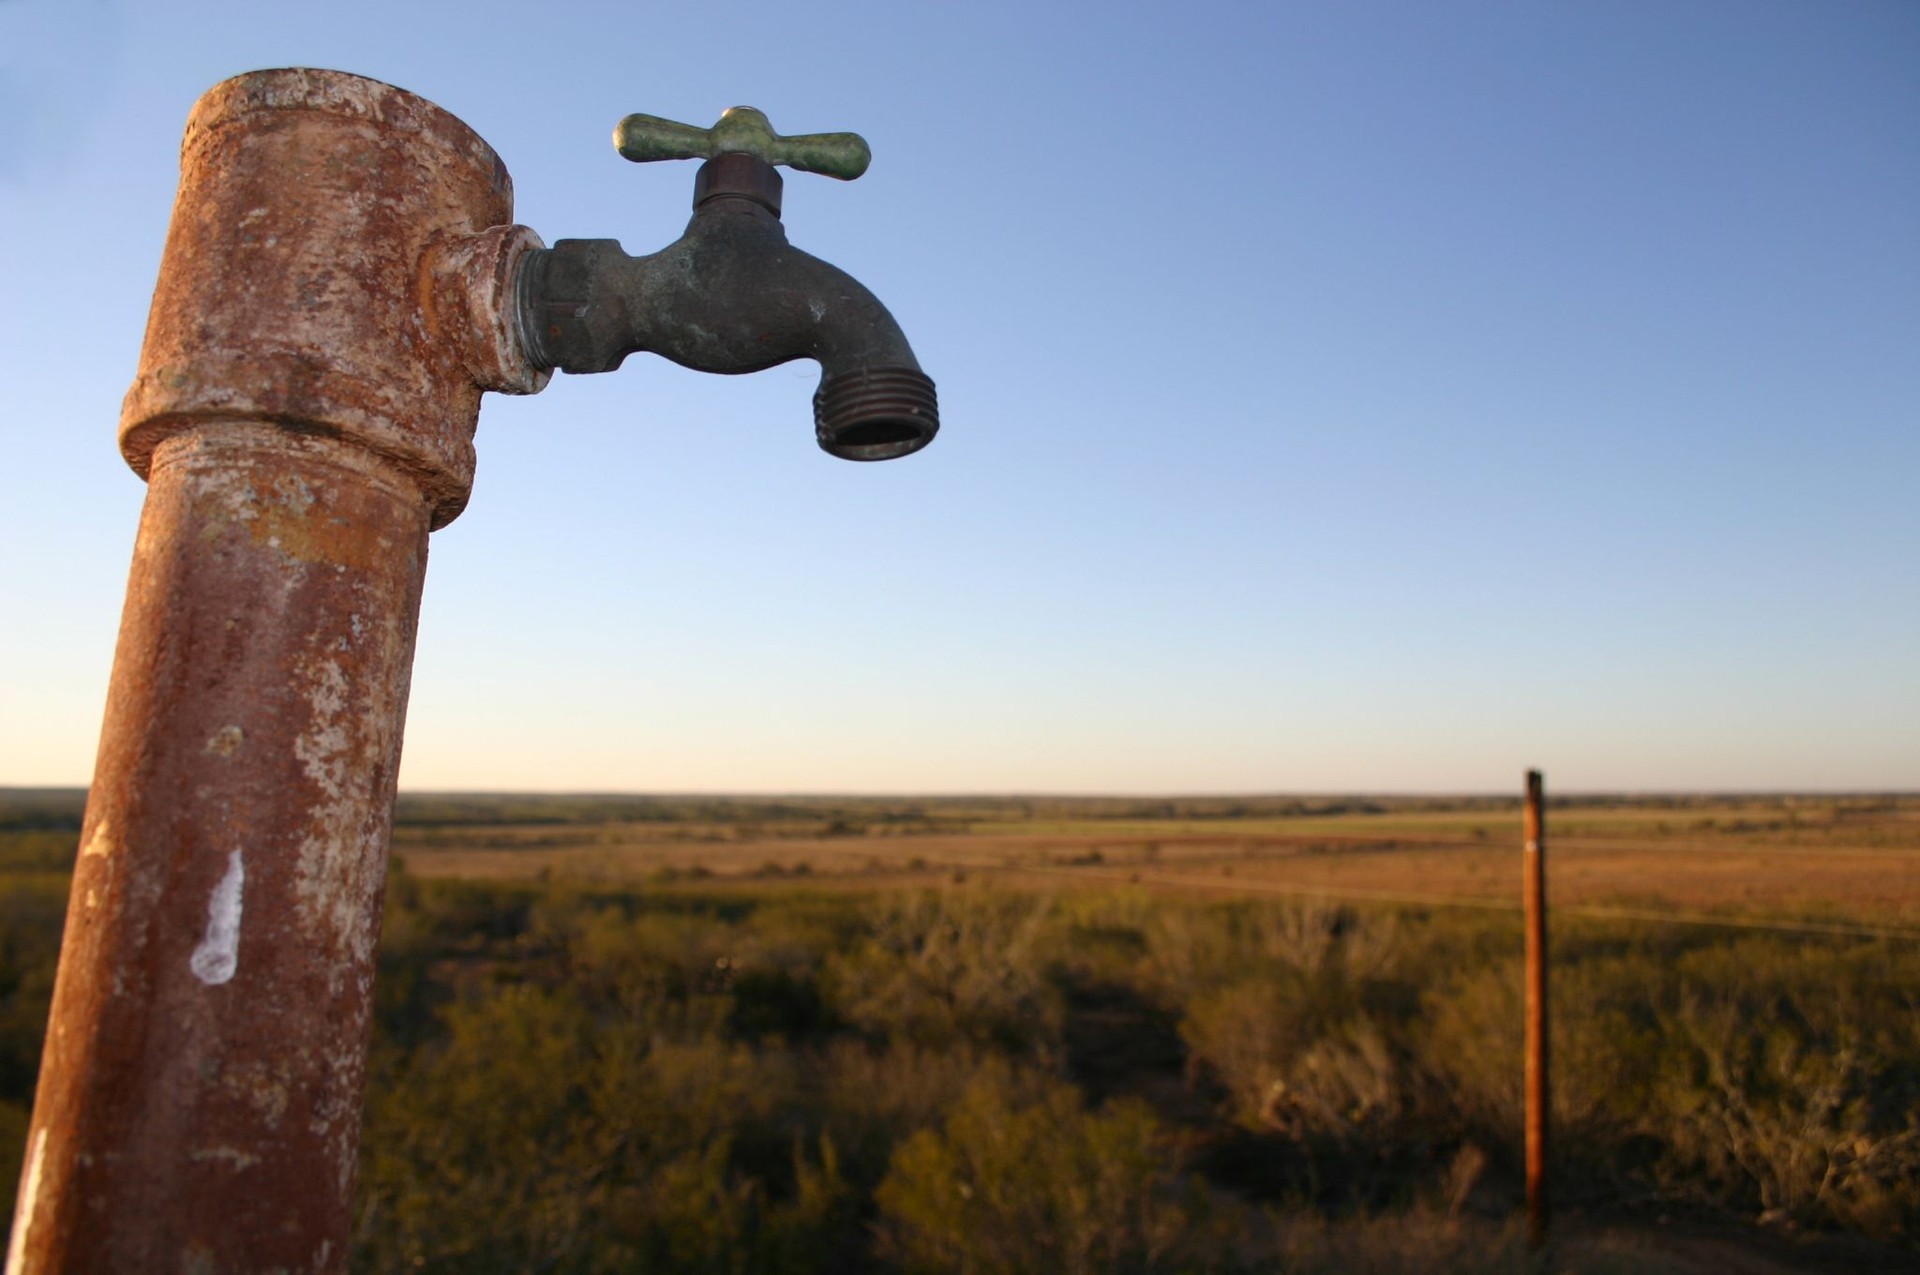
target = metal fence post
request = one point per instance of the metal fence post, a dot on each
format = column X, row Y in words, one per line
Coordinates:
column 1538, row 1091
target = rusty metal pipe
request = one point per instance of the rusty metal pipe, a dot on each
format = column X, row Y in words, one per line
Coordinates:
column 333, row 299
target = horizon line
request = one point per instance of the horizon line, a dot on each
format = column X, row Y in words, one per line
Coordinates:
column 769, row 794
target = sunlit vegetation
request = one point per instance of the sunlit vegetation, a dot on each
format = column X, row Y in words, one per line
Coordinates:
column 772, row 1072
column 972, row 1079
column 39, row 832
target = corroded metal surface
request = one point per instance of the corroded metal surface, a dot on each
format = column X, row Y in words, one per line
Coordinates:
column 204, row 1073
column 291, row 285
column 304, row 413
column 473, row 302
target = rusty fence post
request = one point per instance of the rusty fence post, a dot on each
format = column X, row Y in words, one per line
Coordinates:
column 328, row 313
column 1538, row 1092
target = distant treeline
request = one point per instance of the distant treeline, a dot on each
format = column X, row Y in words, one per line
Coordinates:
column 29, row 809
column 53, row 809
column 427, row 809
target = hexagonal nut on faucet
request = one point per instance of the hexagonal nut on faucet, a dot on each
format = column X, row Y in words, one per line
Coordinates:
column 472, row 303
column 574, row 305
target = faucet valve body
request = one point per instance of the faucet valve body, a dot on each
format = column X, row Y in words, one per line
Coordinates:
column 732, row 295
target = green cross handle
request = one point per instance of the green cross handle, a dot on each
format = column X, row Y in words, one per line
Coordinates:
column 742, row 131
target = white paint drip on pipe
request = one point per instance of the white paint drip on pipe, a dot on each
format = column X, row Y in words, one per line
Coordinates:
column 16, row 1251
column 218, row 955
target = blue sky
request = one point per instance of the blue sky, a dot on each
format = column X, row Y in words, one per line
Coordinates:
column 1335, row 396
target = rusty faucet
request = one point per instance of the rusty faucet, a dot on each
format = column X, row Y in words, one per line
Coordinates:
column 342, row 281
column 731, row 295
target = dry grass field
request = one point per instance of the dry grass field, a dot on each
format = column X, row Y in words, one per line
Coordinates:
column 1842, row 862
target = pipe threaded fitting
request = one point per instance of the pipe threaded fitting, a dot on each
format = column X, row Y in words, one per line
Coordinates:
column 875, row 413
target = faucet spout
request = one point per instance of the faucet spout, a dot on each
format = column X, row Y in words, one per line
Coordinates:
column 731, row 295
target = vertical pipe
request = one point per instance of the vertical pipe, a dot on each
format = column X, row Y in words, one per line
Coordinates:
column 201, row 1090
column 1535, row 889
column 303, row 414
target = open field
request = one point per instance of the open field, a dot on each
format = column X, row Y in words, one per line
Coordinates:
column 1850, row 860
column 1002, row 1034
column 1846, row 862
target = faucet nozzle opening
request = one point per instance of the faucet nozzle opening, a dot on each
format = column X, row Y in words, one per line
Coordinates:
column 875, row 413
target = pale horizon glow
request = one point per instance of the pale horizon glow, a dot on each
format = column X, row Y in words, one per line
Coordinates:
column 1362, row 399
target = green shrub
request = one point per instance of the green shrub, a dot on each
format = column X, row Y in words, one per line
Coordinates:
column 871, row 1098
column 535, row 1137
column 597, row 1079
column 936, row 969
column 1313, row 1033
column 1795, row 1081
column 1019, row 1178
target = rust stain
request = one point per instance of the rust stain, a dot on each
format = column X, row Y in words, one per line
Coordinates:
column 255, row 1084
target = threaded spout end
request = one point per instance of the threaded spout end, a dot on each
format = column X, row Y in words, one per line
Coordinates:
column 875, row 413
